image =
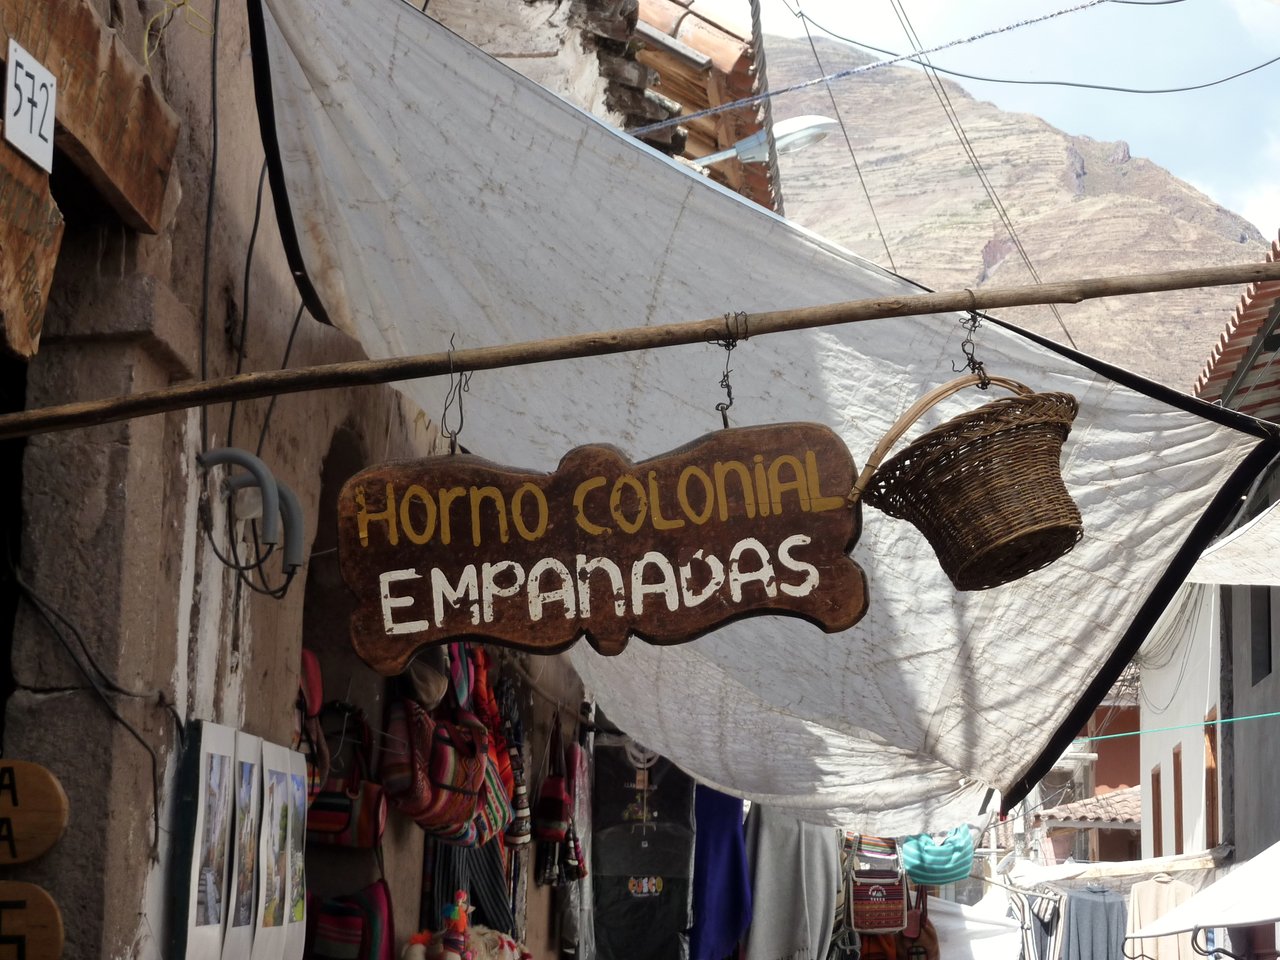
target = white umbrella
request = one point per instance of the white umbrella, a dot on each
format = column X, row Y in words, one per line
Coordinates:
column 1246, row 896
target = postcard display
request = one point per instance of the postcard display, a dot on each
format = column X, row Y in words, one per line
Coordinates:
column 240, row 888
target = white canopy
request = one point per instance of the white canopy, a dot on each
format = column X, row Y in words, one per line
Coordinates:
column 1247, row 895
column 426, row 190
column 1246, row 556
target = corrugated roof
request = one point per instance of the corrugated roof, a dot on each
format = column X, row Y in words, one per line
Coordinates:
column 1259, row 392
column 1122, row 806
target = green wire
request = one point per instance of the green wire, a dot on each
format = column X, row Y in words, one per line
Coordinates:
column 1185, row 726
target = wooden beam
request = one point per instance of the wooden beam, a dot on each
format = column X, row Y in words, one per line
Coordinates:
column 247, row 386
column 111, row 121
column 30, row 237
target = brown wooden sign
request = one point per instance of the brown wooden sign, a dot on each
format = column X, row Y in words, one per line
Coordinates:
column 30, row 236
column 33, row 811
column 746, row 521
column 30, row 922
column 111, row 120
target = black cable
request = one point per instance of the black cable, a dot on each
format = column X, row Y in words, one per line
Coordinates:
column 244, row 298
column 233, row 561
column 848, row 143
column 284, row 362
column 944, row 99
column 266, row 589
column 109, row 682
column 208, row 218
column 39, row 606
column 1042, row 83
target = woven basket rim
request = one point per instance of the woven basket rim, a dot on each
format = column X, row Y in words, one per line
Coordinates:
column 987, row 426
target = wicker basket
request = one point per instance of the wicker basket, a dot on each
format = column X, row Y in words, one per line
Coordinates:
column 985, row 488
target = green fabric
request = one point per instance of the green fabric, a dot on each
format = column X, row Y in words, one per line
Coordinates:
column 933, row 863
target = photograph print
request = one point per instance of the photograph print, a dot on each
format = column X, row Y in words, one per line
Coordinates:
column 213, row 840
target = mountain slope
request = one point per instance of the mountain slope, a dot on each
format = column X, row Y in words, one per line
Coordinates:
column 1081, row 207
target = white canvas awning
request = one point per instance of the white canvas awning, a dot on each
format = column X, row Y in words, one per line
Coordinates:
column 1246, row 896
column 1249, row 556
column 426, row 190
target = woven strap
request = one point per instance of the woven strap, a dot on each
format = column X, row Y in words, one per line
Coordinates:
column 915, row 412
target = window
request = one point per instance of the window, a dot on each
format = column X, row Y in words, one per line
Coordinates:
column 1157, row 814
column 1212, row 836
column 1260, row 632
column 1177, row 799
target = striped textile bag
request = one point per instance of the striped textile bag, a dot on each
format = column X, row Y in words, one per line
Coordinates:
column 350, row 810
column 355, row 927
column 434, row 769
column 404, row 781
column 459, row 754
column 878, row 895
column 494, row 812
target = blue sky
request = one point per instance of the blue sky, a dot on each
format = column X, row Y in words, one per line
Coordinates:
column 1225, row 141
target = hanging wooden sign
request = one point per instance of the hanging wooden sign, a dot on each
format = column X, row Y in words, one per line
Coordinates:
column 33, row 811
column 30, row 922
column 746, row 521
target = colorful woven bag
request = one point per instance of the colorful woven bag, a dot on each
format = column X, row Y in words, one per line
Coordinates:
column 434, row 769
column 351, row 810
column 879, row 895
column 554, row 807
column 404, row 781
column 354, row 927
column 494, row 811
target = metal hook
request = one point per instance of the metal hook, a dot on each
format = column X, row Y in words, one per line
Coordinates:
column 971, row 363
column 457, row 387
column 736, row 329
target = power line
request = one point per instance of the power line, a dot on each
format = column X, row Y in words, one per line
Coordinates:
column 1043, row 83
column 953, row 117
column 853, row 71
column 848, row 143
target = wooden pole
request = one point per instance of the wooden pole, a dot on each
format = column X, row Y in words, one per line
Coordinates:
column 247, row 386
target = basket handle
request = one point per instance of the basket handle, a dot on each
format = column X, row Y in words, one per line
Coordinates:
column 915, row 412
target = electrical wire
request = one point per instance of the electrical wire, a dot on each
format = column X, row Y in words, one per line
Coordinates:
column 1039, row 83
column 848, row 143
column 953, row 117
column 51, row 616
column 244, row 297
column 853, row 71
column 284, row 363
column 1188, row 726
column 206, row 265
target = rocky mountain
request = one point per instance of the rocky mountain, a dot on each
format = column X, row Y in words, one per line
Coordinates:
column 1082, row 208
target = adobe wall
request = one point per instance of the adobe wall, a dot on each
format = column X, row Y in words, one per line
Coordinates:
column 112, row 536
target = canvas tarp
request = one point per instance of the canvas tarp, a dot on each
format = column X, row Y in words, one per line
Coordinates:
column 1247, row 556
column 1246, row 896
column 426, row 190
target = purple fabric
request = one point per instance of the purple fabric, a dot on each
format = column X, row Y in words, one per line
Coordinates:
column 721, row 880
